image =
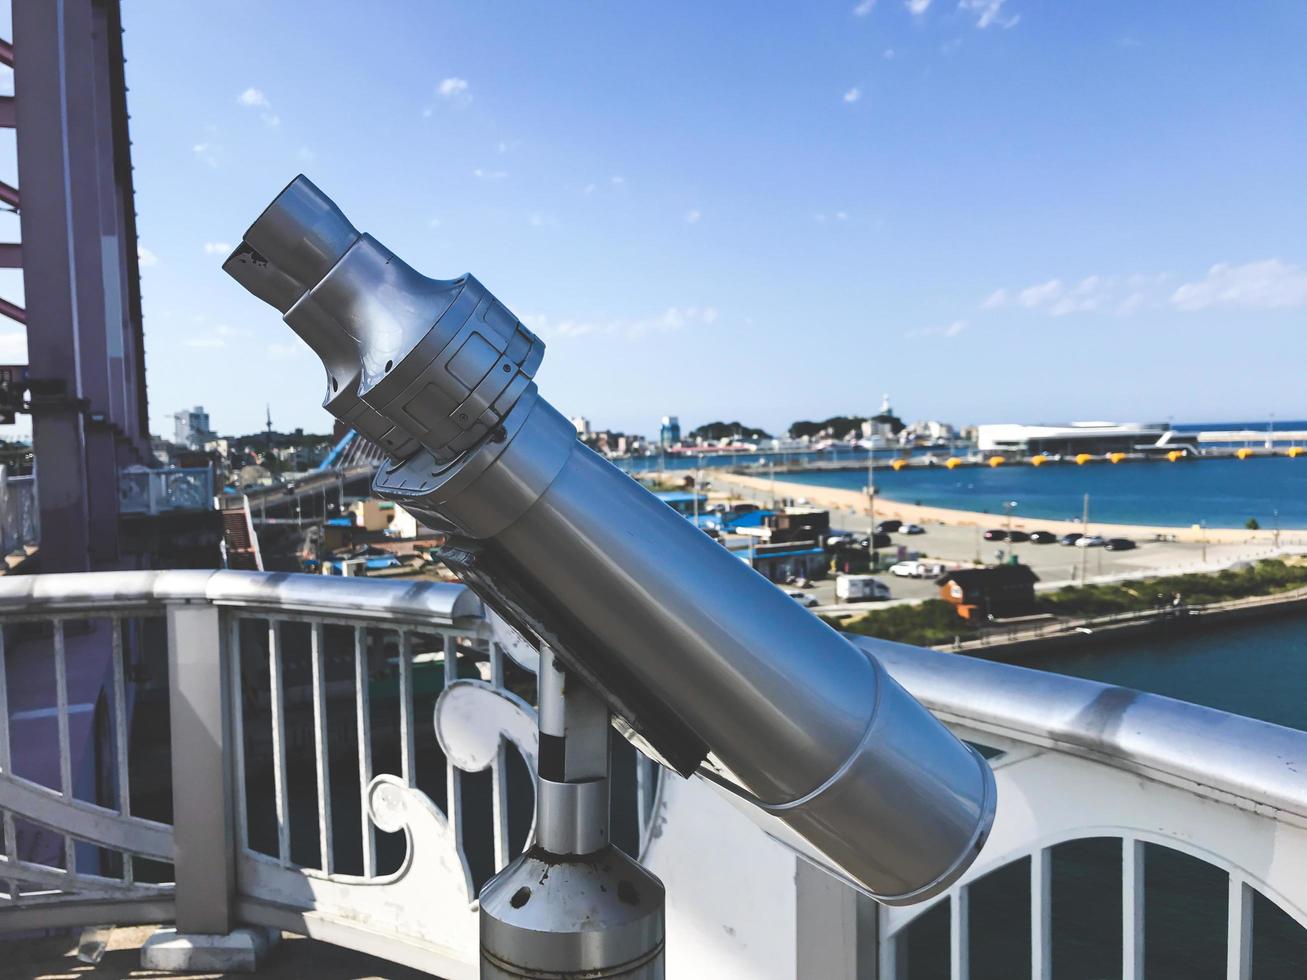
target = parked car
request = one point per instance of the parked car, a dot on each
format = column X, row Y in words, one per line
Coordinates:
column 1042, row 537
column 1091, row 541
column 1070, row 539
column 806, row 600
column 1119, row 544
column 1016, row 537
column 840, row 541
column 917, row 569
column 912, row 529
column 889, row 527
column 883, row 540
column 995, row 534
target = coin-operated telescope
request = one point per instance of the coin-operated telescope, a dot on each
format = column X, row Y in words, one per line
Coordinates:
column 703, row 663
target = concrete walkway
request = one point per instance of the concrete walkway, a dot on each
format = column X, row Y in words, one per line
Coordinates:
column 55, row 958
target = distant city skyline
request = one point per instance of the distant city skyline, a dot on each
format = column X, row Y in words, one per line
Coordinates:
column 998, row 210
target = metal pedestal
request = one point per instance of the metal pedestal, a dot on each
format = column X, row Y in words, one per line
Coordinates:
column 573, row 905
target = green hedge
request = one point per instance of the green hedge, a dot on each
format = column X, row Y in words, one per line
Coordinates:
column 934, row 622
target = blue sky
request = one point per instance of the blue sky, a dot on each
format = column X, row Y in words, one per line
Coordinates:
column 993, row 210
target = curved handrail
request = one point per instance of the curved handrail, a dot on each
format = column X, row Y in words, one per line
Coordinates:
column 1215, row 753
column 442, row 603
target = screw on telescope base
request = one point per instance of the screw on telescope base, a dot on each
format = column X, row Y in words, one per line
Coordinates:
column 573, row 905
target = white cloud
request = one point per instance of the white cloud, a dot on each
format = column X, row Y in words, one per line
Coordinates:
column 994, row 300
column 617, row 180
column 948, row 330
column 216, row 248
column 433, row 223
column 206, row 342
column 253, row 98
column 841, row 216
column 1119, row 295
column 145, row 258
column 889, row 54
column 306, row 154
column 482, row 174
column 864, row 8
column 284, row 350
column 917, row 6
column 672, row 320
column 457, row 91
column 13, row 347
column 853, row 94
column 204, row 153
column 692, row 217
column 1271, row 284
column 989, row 13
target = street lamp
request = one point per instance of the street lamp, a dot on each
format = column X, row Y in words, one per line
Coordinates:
column 871, row 493
column 1009, row 506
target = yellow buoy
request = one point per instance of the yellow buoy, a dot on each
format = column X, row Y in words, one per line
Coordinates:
column 1083, row 458
column 898, row 464
column 1244, row 453
column 1295, row 451
column 952, row 463
column 1174, row 455
column 1116, row 457
column 996, row 461
column 1039, row 459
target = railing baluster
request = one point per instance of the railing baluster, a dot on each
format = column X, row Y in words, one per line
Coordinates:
column 237, row 702
column 120, row 732
column 61, row 701
column 1132, row 908
column 1239, row 931
column 363, row 702
column 5, row 761
column 498, row 772
column 1041, row 914
column 453, row 778
column 320, row 744
column 959, row 934
column 277, row 683
column 406, row 745
column 11, row 841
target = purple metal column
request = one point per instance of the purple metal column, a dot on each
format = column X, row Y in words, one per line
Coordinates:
column 79, row 264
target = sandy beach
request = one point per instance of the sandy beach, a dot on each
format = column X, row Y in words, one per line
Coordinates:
column 891, row 509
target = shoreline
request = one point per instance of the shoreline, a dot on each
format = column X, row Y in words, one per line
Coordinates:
column 837, row 499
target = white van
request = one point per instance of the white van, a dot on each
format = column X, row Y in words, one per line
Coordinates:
column 860, row 588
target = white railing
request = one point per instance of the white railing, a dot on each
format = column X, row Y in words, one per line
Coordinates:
column 142, row 490
column 1083, row 761
column 312, row 721
column 351, row 759
column 20, row 514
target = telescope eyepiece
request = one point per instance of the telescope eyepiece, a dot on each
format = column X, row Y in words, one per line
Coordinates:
column 302, row 233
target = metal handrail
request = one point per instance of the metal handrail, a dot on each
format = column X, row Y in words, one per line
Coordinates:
column 430, row 603
column 1239, row 760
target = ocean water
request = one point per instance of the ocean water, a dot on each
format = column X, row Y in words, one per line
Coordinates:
column 1219, row 492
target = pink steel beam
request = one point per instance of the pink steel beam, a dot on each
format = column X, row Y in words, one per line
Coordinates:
column 12, row 310
column 9, row 195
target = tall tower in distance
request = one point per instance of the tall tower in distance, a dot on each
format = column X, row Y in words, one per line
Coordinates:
column 670, row 433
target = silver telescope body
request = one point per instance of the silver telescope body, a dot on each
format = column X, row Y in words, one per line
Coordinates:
column 706, row 664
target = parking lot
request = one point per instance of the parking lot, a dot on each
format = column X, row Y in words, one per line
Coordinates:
column 1055, row 564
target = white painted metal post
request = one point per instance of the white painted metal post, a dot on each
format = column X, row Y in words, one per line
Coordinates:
column 1132, row 908
column 1239, row 932
column 205, row 864
column 1041, row 913
column 827, row 930
column 959, row 934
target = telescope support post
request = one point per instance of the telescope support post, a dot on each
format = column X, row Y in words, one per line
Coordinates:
column 572, row 905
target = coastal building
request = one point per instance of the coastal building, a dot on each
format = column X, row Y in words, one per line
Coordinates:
column 582, row 425
column 884, row 425
column 191, row 427
column 669, row 433
column 982, row 593
column 1080, row 437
